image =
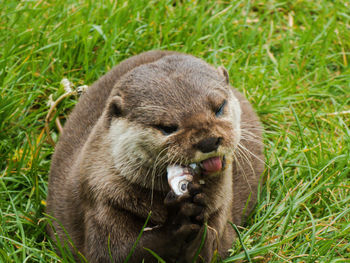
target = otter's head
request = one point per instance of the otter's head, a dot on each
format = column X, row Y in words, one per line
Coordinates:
column 177, row 110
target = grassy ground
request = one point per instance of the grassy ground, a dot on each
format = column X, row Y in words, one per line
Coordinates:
column 290, row 58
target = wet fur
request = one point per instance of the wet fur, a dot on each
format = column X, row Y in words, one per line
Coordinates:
column 108, row 170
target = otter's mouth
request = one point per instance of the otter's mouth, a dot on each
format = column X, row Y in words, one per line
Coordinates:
column 212, row 165
column 180, row 176
column 209, row 166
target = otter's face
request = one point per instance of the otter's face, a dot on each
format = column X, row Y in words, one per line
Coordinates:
column 178, row 110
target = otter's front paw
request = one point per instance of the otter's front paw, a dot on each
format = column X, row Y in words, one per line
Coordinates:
column 186, row 213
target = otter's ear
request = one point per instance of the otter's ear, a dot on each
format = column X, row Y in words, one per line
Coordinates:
column 115, row 107
column 224, row 73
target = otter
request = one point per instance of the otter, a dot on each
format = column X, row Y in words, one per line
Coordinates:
column 109, row 169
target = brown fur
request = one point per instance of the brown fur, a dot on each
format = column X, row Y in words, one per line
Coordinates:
column 109, row 167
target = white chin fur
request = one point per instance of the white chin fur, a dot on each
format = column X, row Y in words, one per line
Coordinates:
column 128, row 142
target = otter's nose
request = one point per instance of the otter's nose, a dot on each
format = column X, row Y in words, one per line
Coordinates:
column 208, row 145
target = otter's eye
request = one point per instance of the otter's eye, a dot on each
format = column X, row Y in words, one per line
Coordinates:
column 166, row 130
column 219, row 111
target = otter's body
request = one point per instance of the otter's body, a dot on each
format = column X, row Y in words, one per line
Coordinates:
column 109, row 168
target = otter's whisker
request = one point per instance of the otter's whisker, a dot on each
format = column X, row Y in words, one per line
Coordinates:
column 243, row 171
column 154, row 170
column 248, row 151
column 245, row 157
column 244, row 138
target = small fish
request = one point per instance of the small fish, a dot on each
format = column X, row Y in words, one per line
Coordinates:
column 179, row 177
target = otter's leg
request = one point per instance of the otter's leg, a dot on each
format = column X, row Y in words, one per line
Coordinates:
column 216, row 234
column 213, row 236
column 109, row 240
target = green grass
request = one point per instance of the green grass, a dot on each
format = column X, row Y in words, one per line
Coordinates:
column 290, row 58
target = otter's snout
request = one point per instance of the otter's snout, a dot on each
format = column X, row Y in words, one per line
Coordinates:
column 208, row 145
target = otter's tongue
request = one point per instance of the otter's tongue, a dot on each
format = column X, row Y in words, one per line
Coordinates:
column 212, row 165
